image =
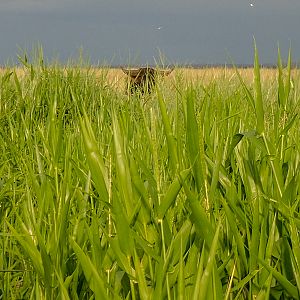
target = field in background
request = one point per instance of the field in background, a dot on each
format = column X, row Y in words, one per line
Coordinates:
column 116, row 76
column 191, row 192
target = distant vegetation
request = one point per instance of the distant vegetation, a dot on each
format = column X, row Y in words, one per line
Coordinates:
column 191, row 192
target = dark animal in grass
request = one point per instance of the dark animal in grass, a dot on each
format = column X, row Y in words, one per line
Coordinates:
column 143, row 79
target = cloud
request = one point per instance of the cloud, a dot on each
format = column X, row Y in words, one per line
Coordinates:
column 16, row 6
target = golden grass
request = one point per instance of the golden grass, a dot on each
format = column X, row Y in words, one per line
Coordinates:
column 205, row 75
column 116, row 77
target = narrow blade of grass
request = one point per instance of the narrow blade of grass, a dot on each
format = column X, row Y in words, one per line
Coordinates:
column 195, row 143
column 287, row 285
column 281, row 88
column 169, row 134
column 259, row 108
column 95, row 161
column 172, row 193
column 204, row 283
column 90, row 272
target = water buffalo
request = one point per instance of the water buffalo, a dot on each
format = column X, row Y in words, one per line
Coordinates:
column 143, row 79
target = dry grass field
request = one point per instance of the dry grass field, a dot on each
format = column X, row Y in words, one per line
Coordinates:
column 205, row 75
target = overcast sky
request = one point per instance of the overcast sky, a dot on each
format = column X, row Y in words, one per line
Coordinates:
column 137, row 31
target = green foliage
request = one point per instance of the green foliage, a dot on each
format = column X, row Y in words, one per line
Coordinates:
column 191, row 192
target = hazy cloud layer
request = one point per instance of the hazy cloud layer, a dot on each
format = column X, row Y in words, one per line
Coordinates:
column 191, row 31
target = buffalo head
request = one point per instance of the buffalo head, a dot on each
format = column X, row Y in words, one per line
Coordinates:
column 143, row 79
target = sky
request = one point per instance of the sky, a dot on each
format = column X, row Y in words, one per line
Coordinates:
column 117, row 32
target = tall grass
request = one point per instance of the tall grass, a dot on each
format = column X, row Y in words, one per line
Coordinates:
column 191, row 192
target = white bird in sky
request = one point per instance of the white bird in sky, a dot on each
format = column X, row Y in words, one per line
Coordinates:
column 251, row 4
